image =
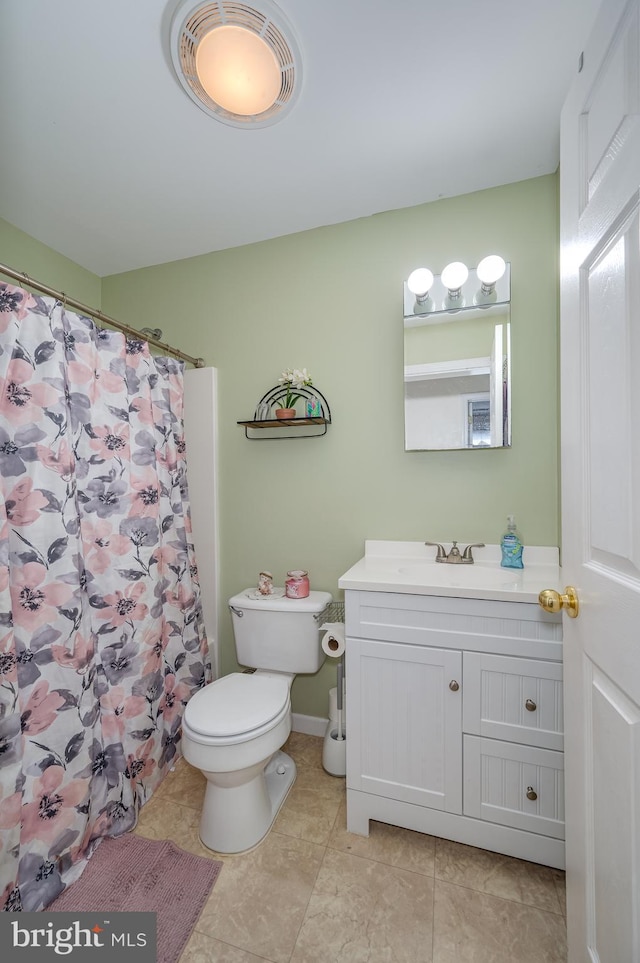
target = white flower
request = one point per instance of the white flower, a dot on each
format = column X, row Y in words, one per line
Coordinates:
column 289, row 379
column 301, row 377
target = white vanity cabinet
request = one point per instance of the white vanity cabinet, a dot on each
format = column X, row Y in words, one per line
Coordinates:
column 455, row 720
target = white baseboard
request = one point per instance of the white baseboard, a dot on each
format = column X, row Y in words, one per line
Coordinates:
column 310, row 725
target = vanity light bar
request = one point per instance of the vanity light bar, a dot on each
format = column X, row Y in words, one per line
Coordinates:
column 457, row 287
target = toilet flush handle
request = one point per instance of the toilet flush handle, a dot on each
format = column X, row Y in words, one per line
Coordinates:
column 236, row 611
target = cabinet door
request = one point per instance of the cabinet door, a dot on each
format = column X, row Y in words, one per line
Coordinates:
column 405, row 722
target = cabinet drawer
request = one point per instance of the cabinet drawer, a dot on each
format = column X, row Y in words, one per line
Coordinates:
column 515, row 699
column 479, row 625
column 497, row 777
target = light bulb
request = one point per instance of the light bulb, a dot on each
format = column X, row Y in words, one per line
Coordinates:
column 454, row 276
column 419, row 283
column 491, row 269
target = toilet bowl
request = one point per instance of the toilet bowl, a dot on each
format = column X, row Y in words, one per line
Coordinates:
column 233, row 729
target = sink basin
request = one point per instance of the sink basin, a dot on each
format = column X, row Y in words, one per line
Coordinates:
column 443, row 571
column 431, row 569
column 410, row 567
column 420, row 570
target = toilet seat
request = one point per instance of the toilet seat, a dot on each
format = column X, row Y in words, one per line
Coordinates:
column 236, row 708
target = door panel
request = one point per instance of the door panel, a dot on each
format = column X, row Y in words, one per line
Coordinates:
column 611, row 340
column 613, row 785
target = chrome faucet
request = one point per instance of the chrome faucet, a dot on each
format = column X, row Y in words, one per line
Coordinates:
column 441, row 555
column 455, row 557
column 467, row 556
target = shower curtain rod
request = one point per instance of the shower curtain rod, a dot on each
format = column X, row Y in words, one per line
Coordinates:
column 24, row 278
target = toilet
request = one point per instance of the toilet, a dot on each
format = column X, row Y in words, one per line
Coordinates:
column 233, row 729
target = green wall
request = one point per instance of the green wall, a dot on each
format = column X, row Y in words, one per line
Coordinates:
column 331, row 300
column 22, row 252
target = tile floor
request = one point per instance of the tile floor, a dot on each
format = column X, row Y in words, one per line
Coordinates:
column 313, row 893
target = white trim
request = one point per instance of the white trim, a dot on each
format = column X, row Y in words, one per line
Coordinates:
column 201, row 436
column 463, row 367
column 310, row 725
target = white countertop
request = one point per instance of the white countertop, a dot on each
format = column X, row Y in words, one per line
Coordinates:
column 411, row 567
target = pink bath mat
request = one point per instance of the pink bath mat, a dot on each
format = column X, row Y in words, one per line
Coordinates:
column 132, row 873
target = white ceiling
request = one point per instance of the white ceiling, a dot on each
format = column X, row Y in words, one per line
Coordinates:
column 107, row 160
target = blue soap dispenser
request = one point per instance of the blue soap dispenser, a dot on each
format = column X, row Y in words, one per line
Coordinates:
column 511, row 546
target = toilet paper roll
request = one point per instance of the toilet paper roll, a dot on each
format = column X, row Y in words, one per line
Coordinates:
column 333, row 643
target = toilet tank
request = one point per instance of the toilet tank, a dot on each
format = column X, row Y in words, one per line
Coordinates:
column 278, row 633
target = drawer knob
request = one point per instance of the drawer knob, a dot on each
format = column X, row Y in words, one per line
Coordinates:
column 454, row 686
column 531, row 793
column 530, row 705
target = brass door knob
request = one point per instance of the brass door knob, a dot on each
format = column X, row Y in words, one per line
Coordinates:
column 531, row 793
column 530, row 705
column 552, row 601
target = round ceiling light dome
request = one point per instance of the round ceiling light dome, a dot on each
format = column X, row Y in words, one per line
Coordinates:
column 238, row 62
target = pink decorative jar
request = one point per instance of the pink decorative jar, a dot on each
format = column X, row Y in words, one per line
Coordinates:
column 297, row 584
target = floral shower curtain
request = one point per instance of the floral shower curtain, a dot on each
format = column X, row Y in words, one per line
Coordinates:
column 101, row 634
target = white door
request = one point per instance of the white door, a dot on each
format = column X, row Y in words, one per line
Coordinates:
column 600, row 343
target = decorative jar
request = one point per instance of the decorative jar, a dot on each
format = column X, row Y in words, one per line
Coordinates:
column 297, row 584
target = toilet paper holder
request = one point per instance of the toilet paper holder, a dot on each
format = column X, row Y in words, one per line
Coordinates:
column 333, row 612
column 332, row 624
column 334, row 749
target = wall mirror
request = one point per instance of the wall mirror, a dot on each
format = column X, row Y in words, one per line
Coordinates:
column 457, row 362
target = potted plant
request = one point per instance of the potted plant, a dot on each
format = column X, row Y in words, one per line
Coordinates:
column 290, row 379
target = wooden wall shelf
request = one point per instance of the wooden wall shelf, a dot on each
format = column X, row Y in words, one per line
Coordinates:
column 299, row 427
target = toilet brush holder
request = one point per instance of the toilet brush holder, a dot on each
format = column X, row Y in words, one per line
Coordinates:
column 333, row 707
column 334, row 751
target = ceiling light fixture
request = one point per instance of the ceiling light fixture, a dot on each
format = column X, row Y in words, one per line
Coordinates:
column 238, row 62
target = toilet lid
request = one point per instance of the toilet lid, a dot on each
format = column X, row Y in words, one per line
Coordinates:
column 236, row 704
